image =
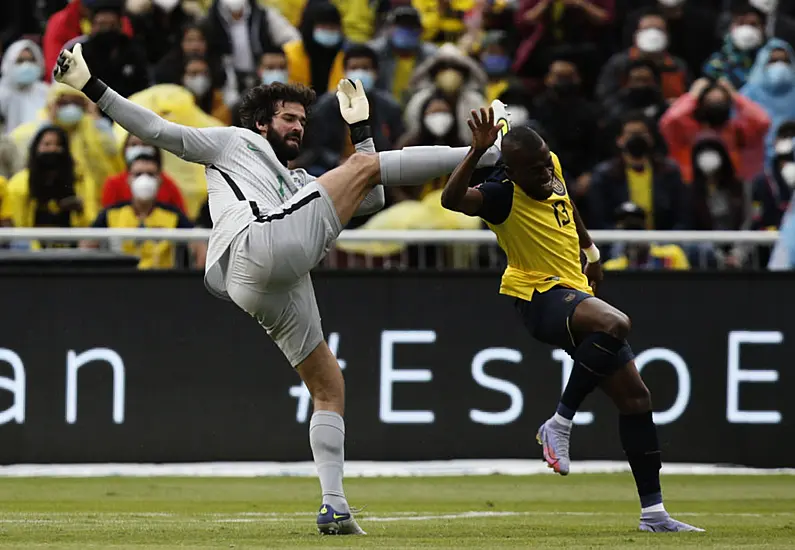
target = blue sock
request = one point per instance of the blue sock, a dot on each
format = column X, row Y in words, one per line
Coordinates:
column 565, row 412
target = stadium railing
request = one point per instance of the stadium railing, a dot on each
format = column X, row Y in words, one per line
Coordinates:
column 429, row 249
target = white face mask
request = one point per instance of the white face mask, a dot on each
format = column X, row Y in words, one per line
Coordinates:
column 166, row 5
column 198, row 84
column 144, row 187
column 788, row 173
column 784, row 146
column 651, row 40
column 709, row 162
column 439, row 123
column 671, row 3
column 746, row 37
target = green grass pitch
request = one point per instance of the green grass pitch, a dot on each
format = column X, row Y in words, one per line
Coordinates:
column 546, row 511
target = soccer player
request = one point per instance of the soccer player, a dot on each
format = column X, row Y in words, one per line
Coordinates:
column 526, row 204
column 272, row 225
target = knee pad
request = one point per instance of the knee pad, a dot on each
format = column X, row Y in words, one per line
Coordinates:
column 602, row 353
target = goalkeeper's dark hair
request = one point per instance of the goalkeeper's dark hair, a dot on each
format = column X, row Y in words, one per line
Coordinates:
column 260, row 103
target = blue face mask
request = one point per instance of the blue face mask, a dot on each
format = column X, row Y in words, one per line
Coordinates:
column 69, row 115
column 496, row 65
column 327, row 38
column 26, row 73
column 367, row 78
column 275, row 75
column 779, row 74
column 405, row 38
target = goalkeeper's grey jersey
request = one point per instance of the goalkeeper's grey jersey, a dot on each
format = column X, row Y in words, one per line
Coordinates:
column 245, row 180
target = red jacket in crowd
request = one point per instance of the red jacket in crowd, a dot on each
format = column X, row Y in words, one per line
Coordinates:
column 116, row 189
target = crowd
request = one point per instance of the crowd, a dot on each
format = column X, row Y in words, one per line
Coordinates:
column 666, row 114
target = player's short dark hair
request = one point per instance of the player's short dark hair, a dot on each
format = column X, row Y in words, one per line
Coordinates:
column 524, row 138
column 361, row 50
column 259, row 104
column 643, row 64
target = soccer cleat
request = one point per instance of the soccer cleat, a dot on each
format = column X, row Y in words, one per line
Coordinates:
column 330, row 522
column 554, row 440
column 661, row 522
column 501, row 118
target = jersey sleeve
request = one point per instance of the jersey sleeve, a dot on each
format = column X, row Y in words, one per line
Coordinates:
column 497, row 202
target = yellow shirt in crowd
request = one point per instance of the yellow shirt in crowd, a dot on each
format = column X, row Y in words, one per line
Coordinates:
column 641, row 191
column 668, row 256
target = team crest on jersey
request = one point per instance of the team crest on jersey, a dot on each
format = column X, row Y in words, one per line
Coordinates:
column 557, row 187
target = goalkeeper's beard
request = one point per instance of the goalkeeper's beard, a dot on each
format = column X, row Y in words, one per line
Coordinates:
column 285, row 151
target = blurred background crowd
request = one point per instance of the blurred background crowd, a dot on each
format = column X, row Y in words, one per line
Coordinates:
column 666, row 114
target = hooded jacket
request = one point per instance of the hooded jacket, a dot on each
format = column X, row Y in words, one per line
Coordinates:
column 21, row 105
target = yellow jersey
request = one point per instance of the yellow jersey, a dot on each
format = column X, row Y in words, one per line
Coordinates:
column 152, row 254
column 538, row 237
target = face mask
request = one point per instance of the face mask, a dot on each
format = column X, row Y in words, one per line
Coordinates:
column 717, row 114
column 566, row 87
column 637, row 146
column 69, row 115
column 198, row 84
column 327, row 38
column 144, row 187
column 784, row 146
column 746, row 37
column 367, row 78
column 404, row 38
column 642, row 96
column 671, row 3
column 166, row 5
column 51, row 159
column 439, row 123
column 449, row 80
column 709, row 162
column 496, row 65
column 788, row 173
column 136, row 151
column 25, row 74
column 779, row 74
column 107, row 39
column 651, row 40
column 233, row 5
column 274, row 75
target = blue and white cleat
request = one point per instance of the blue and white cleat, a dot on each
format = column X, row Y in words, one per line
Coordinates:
column 661, row 522
column 554, row 440
column 501, row 118
column 330, row 522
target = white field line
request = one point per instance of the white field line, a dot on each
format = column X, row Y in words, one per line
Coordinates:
column 360, row 469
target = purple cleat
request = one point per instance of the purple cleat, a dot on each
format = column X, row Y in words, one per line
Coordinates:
column 661, row 522
column 554, row 440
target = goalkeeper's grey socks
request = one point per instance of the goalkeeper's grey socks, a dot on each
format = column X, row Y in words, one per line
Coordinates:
column 327, row 439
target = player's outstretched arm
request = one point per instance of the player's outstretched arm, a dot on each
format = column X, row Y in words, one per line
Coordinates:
column 457, row 195
column 593, row 267
column 192, row 144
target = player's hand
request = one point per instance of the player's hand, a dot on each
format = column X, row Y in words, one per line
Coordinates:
column 484, row 131
column 71, row 68
column 594, row 273
column 353, row 101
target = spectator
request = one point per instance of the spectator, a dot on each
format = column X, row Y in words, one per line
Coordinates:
column 772, row 86
column 91, row 140
column 443, row 20
column 643, row 256
column 778, row 24
column 495, row 56
column 198, row 79
column 143, row 211
column 691, row 29
column 745, row 37
column 772, row 189
column 157, row 25
column 72, row 22
column 49, row 192
column 485, row 18
column 650, row 43
column 328, row 142
column 273, row 67
column 400, row 50
column 571, row 123
column 719, row 109
column 244, row 30
column 638, row 175
column 117, row 188
column 437, row 126
column 114, row 57
column 22, row 92
column 640, row 92
column 453, row 75
column 550, row 28
column 358, row 19
column 719, row 197
column 316, row 59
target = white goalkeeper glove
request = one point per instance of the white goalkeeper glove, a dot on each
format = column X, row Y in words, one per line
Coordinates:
column 71, row 69
column 353, row 101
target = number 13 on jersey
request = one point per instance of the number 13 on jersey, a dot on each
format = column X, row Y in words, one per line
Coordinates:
column 561, row 213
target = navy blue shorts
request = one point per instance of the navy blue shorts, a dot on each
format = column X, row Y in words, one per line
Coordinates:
column 548, row 315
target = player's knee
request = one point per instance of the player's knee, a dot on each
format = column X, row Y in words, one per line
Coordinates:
column 636, row 399
column 616, row 324
column 366, row 164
